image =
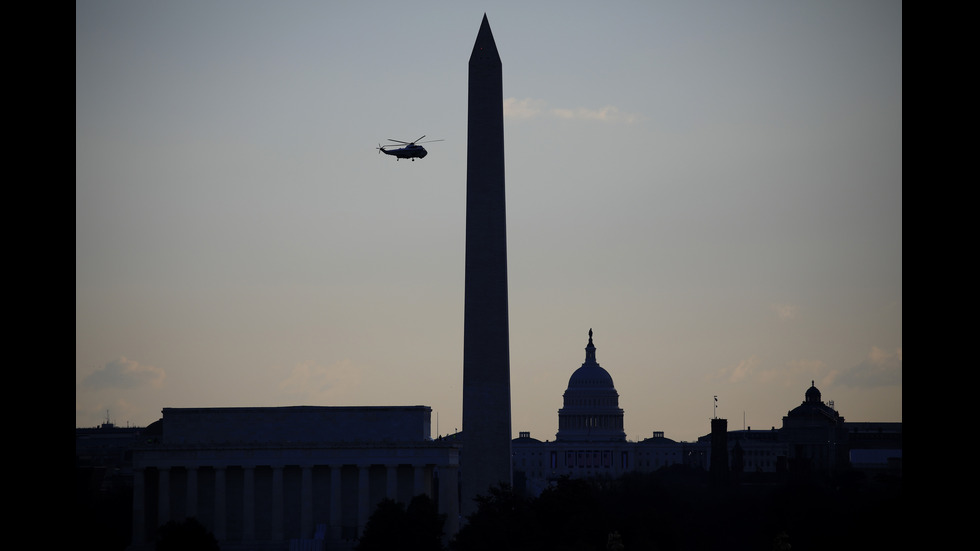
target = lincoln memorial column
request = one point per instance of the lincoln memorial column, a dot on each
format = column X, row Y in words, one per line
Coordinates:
column 163, row 511
column 220, row 508
column 277, row 503
column 248, row 504
column 419, row 487
column 363, row 497
column 335, row 519
column 448, row 499
column 191, row 508
column 306, row 502
column 392, row 482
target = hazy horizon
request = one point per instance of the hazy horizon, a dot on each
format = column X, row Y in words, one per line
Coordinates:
column 714, row 188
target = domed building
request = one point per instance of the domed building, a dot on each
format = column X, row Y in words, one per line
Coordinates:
column 591, row 440
column 816, row 435
column 591, row 411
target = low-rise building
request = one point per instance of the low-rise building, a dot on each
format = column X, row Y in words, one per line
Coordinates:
column 266, row 478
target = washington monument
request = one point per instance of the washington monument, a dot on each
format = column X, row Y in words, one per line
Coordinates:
column 485, row 460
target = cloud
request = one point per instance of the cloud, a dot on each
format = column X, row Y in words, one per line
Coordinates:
column 606, row 114
column 799, row 372
column 879, row 368
column 529, row 108
column 124, row 373
column 523, row 109
column 744, row 369
column 788, row 375
column 784, row 311
column 739, row 372
column 314, row 383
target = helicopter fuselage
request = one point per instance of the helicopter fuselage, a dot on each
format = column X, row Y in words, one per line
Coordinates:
column 408, row 152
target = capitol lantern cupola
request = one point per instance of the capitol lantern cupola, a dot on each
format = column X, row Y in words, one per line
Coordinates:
column 591, row 411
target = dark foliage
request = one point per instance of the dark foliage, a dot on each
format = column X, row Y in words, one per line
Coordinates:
column 392, row 526
column 503, row 520
column 186, row 535
column 425, row 525
column 574, row 515
column 103, row 510
column 676, row 509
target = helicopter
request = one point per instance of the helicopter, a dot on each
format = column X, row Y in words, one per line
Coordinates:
column 411, row 150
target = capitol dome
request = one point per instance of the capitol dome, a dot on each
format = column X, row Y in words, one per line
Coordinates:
column 591, row 409
column 591, row 376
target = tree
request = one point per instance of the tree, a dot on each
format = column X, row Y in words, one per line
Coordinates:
column 385, row 529
column 572, row 516
column 391, row 526
column 187, row 535
column 614, row 542
column 425, row 524
column 502, row 520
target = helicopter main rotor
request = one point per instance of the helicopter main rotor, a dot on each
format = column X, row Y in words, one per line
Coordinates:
column 415, row 141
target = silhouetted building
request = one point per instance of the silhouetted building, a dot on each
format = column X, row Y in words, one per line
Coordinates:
column 815, row 441
column 591, row 440
column 815, row 435
column 719, row 452
column 591, row 411
column 875, row 447
column 104, row 485
column 107, row 448
column 737, row 463
column 760, row 451
column 261, row 478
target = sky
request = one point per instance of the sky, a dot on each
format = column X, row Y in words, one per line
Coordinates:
column 713, row 187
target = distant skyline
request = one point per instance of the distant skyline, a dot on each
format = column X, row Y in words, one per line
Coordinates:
column 715, row 188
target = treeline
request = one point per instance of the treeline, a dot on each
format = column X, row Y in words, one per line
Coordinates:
column 677, row 509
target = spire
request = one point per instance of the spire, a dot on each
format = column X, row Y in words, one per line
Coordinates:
column 485, row 48
column 590, row 350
